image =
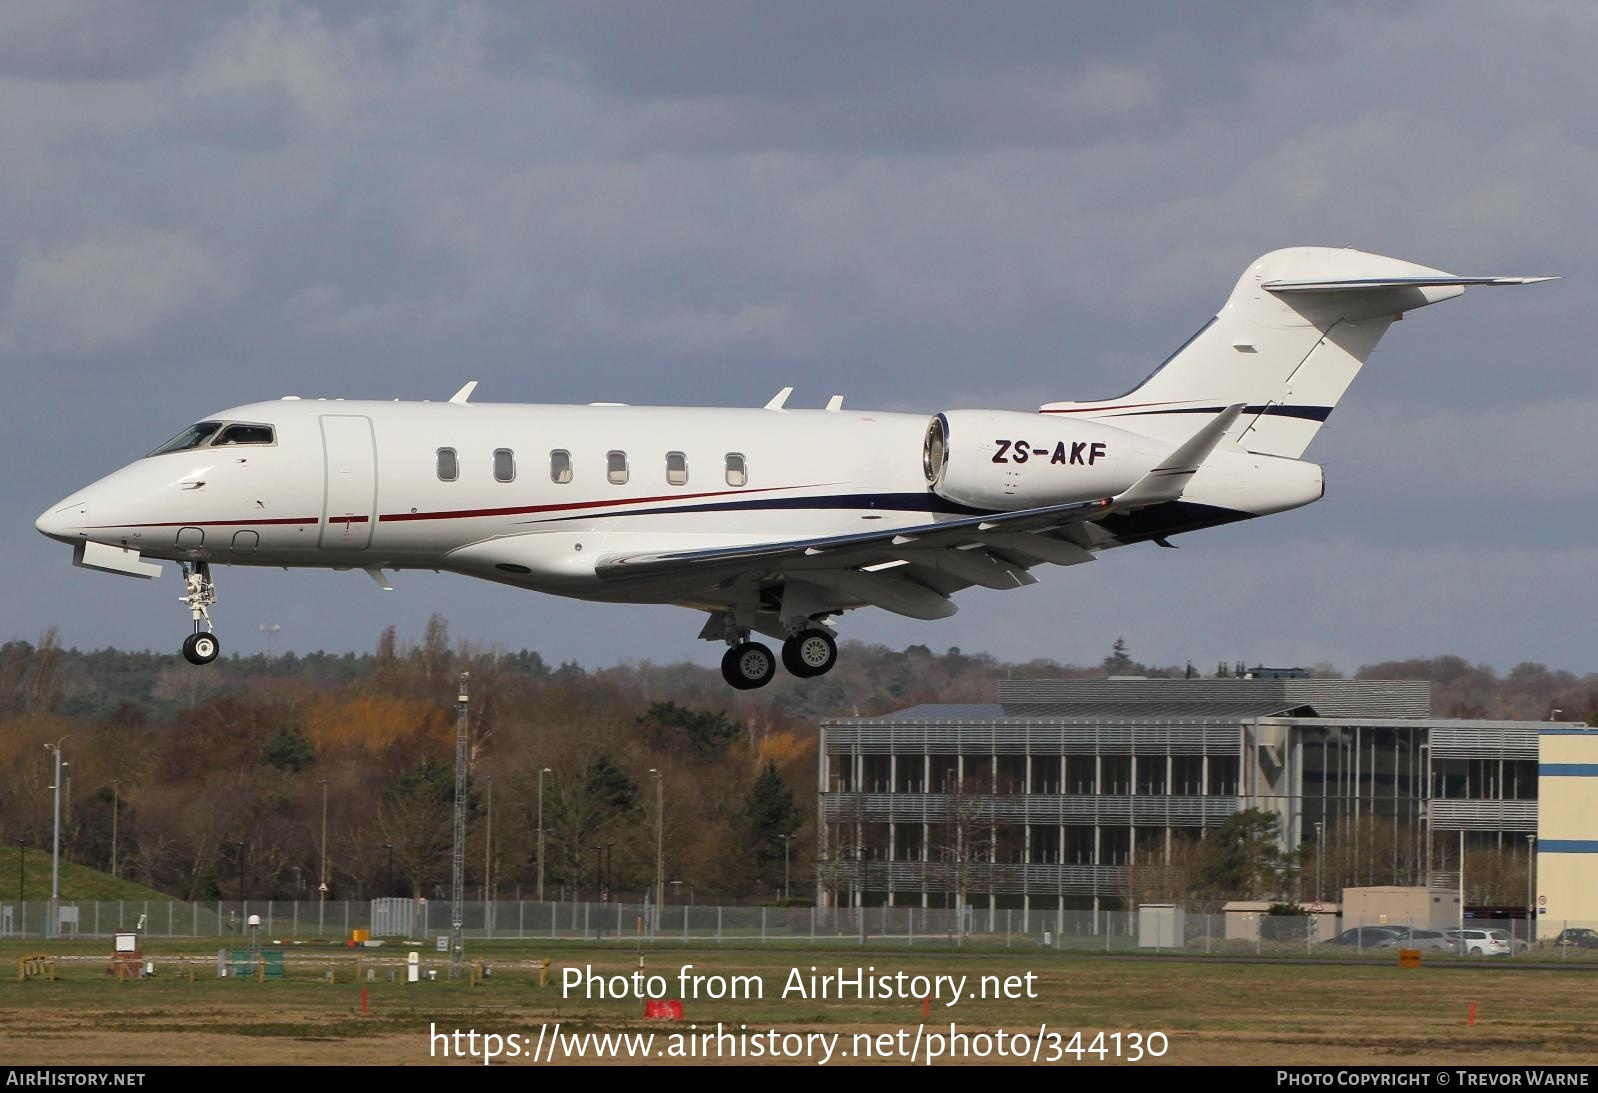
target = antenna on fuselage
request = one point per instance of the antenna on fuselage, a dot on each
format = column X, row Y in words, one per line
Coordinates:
column 460, row 397
column 779, row 399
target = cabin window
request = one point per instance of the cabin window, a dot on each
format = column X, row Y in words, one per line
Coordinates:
column 560, row 466
column 504, row 465
column 616, row 468
column 449, row 465
column 244, row 434
column 737, row 471
column 676, row 469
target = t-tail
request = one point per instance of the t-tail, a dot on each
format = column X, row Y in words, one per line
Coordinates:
column 1289, row 341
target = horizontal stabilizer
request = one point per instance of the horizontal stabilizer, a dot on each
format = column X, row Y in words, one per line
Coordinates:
column 1365, row 283
column 1167, row 481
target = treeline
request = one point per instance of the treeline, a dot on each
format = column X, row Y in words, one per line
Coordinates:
column 209, row 782
column 218, row 779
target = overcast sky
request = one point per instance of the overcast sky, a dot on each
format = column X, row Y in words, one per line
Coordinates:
column 922, row 206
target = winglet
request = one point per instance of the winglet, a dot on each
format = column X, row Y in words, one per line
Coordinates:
column 460, row 397
column 1167, row 481
column 779, row 399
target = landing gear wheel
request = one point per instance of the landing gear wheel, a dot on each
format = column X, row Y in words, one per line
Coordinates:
column 201, row 648
column 809, row 653
column 748, row 665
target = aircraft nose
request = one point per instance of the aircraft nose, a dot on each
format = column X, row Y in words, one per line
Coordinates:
column 61, row 521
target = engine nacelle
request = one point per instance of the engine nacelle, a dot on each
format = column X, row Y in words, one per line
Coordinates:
column 1002, row 461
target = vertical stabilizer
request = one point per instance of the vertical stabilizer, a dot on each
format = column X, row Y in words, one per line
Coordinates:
column 1291, row 338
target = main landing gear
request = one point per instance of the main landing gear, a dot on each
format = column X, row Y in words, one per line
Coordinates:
column 809, row 653
column 200, row 647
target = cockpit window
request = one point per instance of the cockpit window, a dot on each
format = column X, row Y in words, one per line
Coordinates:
column 244, row 434
column 194, row 436
column 217, row 434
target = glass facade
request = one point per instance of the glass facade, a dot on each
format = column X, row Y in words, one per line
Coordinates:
column 1085, row 813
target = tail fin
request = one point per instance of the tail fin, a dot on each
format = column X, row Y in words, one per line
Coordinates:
column 1289, row 341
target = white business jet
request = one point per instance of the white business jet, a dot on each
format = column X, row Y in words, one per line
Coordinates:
column 771, row 521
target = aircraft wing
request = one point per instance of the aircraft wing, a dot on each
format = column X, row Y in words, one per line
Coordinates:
column 912, row 571
column 993, row 550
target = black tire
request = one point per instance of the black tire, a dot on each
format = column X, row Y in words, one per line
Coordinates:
column 809, row 653
column 201, row 648
column 748, row 665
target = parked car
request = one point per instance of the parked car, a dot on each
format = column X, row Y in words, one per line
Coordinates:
column 1366, row 937
column 1426, row 940
column 1578, row 937
column 1479, row 942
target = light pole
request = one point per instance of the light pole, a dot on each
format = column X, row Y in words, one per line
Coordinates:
column 22, row 870
column 543, row 771
column 860, row 852
column 116, row 806
column 321, row 885
column 390, row 886
column 55, row 850
column 1320, row 857
column 1531, row 899
column 787, row 841
column 660, row 839
column 240, row 845
column 488, row 844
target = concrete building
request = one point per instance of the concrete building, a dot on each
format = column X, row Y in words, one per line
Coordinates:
column 1078, row 795
column 1567, row 830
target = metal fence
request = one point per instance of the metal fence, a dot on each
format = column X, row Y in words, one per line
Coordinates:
column 428, row 922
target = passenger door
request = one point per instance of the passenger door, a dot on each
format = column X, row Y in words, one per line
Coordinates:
column 349, row 498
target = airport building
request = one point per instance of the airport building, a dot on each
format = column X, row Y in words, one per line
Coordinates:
column 1082, row 795
column 1567, row 829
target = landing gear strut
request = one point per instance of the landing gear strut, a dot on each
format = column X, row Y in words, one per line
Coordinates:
column 200, row 647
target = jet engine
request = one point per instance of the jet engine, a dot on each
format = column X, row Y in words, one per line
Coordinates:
column 1002, row 461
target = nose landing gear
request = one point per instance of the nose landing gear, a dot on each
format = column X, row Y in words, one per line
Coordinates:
column 200, row 647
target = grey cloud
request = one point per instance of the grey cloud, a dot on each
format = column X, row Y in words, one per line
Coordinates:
column 106, row 290
column 921, row 205
column 100, row 40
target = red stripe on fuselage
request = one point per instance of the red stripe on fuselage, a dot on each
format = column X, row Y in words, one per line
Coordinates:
column 567, row 506
column 467, row 514
column 219, row 523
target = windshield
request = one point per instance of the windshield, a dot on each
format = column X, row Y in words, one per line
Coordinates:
column 192, row 437
column 217, row 434
column 245, row 434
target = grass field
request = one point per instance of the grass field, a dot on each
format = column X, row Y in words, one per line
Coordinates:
column 1212, row 1011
